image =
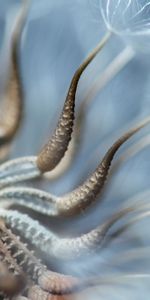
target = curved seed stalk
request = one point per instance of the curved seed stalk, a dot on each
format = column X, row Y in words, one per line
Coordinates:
column 57, row 247
column 104, row 78
column 86, row 244
column 54, row 150
column 72, row 203
column 86, row 194
column 25, row 168
column 47, row 280
column 70, row 156
column 13, row 105
column 17, row 253
column 52, row 245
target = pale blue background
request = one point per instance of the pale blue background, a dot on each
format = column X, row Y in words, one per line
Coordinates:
column 57, row 37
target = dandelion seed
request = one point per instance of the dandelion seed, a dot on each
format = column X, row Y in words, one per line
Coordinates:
column 130, row 19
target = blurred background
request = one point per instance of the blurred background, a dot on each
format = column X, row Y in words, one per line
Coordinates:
column 57, row 36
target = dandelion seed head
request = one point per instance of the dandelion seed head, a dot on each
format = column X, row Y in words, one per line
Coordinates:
column 129, row 19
